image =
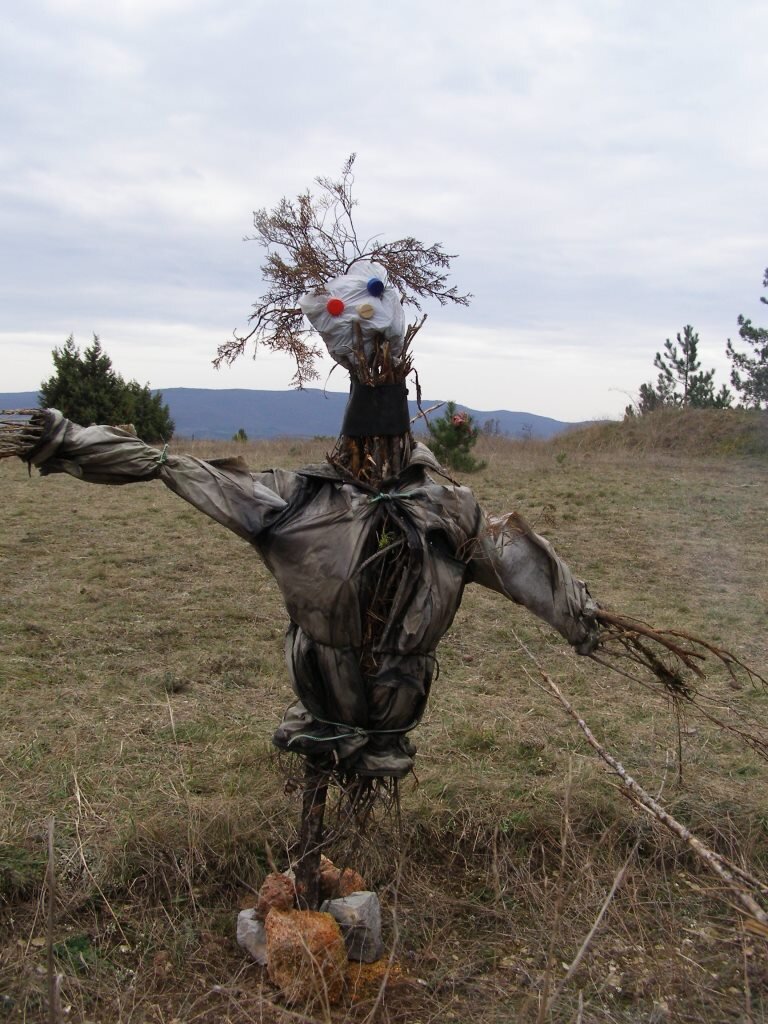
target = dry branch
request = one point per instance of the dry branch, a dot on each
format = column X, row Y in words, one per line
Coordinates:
column 53, row 977
column 425, row 412
column 737, row 880
column 618, row 881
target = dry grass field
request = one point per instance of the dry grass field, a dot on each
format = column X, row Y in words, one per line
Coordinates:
column 142, row 676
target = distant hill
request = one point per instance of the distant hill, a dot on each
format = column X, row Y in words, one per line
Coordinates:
column 216, row 414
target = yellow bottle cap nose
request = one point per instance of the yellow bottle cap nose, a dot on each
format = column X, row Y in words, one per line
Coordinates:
column 366, row 311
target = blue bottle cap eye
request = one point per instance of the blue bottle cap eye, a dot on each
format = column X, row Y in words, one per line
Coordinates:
column 375, row 287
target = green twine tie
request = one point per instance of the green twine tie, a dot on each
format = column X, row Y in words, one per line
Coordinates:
column 392, row 496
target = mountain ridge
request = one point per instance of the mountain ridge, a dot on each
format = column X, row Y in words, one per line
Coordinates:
column 217, row 414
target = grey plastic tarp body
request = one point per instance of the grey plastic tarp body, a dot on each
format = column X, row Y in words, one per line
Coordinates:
column 319, row 534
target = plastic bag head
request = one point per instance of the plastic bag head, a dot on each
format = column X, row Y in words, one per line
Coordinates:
column 356, row 307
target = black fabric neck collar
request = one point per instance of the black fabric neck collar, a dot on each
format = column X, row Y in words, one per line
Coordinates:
column 376, row 411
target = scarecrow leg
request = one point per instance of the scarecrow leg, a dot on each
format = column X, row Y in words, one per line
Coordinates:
column 311, row 833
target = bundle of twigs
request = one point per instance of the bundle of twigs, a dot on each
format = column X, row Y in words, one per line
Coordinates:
column 688, row 651
column 672, row 662
column 20, row 434
column 373, row 459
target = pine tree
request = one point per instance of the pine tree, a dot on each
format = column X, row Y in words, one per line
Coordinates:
column 147, row 412
column 683, row 370
column 648, row 400
column 753, row 385
column 86, row 389
column 452, row 436
column 681, row 381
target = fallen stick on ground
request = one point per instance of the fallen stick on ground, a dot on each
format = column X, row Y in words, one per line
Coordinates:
column 737, row 879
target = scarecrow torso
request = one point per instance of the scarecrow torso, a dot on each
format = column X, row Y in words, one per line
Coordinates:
column 327, row 550
column 355, row 659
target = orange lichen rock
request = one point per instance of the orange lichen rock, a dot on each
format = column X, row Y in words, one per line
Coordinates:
column 350, row 881
column 277, row 891
column 306, row 956
column 337, row 882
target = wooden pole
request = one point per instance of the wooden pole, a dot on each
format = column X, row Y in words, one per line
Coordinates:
column 311, row 833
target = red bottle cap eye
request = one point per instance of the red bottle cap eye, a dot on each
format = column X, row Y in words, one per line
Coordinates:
column 335, row 307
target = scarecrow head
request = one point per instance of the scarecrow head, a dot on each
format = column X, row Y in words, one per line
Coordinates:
column 356, row 313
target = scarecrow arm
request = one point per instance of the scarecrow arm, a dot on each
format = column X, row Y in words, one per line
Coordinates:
column 224, row 489
column 513, row 560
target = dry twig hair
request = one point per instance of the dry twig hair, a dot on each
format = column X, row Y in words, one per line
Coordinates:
column 312, row 239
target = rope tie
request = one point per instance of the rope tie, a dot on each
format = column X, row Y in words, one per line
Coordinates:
column 392, row 496
column 351, row 730
column 163, row 456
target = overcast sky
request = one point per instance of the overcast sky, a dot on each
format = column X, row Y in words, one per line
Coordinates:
column 600, row 167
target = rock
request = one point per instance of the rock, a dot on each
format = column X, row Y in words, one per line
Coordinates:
column 252, row 936
column 349, row 882
column 276, row 891
column 306, row 956
column 336, row 882
column 359, row 917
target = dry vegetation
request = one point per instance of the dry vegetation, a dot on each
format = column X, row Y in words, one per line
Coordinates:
column 683, row 430
column 142, row 676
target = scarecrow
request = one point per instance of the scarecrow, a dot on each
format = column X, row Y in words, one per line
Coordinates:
column 371, row 550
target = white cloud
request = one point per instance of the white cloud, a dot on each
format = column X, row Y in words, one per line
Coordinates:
column 122, row 14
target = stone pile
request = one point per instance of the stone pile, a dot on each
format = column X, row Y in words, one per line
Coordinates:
column 306, row 952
